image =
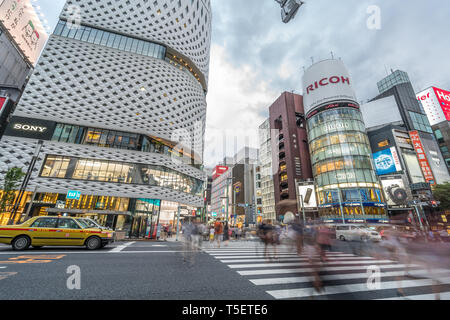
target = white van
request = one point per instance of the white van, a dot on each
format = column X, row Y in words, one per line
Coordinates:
column 353, row 232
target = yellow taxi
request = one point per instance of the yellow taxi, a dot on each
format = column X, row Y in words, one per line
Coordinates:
column 55, row 231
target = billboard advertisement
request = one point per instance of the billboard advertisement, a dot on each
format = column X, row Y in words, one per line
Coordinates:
column 307, row 193
column 436, row 103
column 325, row 82
column 443, row 97
column 422, row 157
column 218, row 171
column 22, row 23
column 387, row 161
column 395, row 191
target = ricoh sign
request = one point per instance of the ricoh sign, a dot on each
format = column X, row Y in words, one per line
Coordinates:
column 30, row 128
column 326, row 82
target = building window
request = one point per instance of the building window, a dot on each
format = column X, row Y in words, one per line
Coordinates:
column 120, row 172
column 420, row 122
column 109, row 39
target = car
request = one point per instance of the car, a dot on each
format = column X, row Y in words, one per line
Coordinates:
column 92, row 223
column 55, row 231
column 347, row 232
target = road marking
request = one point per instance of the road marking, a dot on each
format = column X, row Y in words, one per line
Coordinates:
column 308, row 270
column 350, row 288
column 288, row 264
column 432, row 296
column 96, row 252
column 271, row 281
column 120, row 248
column 32, row 259
column 4, row 275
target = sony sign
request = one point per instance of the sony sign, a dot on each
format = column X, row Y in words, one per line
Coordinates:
column 26, row 127
column 326, row 82
column 30, row 128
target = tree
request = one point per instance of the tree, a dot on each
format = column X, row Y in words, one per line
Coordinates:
column 11, row 183
column 442, row 193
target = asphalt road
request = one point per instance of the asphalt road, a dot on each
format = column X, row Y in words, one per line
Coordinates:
column 142, row 270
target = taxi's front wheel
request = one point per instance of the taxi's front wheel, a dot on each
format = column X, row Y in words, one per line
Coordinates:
column 21, row 243
column 93, row 243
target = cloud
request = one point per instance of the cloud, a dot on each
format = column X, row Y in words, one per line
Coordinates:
column 255, row 57
column 238, row 102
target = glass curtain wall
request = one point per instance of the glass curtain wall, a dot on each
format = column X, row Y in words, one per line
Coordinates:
column 342, row 166
column 120, row 172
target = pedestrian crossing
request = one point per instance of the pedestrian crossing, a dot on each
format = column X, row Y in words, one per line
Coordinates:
column 344, row 275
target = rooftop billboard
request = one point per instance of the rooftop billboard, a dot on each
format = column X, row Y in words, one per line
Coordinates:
column 23, row 25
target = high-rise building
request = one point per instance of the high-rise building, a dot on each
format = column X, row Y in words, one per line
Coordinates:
column 265, row 158
column 234, row 188
column 22, row 37
column 347, row 186
column 113, row 99
column 290, row 153
column 409, row 113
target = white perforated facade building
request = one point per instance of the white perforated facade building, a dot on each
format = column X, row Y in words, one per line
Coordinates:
column 118, row 88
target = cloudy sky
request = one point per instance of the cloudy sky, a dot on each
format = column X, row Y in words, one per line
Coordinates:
column 255, row 57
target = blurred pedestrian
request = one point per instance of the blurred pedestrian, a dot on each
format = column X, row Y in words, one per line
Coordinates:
column 218, row 232
column 312, row 251
column 211, row 235
column 226, row 234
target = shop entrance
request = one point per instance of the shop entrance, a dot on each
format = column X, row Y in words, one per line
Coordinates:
column 145, row 218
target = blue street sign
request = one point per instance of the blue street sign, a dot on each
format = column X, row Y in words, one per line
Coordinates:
column 73, row 195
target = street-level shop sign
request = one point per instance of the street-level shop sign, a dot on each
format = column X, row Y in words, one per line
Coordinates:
column 73, row 195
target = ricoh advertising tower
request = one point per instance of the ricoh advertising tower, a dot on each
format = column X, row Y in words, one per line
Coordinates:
column 347, row 186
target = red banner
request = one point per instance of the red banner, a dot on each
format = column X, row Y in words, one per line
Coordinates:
column 421, row 155
column 2, row 103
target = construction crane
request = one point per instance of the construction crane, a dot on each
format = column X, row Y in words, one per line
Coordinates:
column 289, row 9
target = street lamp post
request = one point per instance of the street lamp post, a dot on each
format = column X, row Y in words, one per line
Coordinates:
column 340, row 205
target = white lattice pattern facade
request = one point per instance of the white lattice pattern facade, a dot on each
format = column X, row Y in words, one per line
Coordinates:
column 96, row 86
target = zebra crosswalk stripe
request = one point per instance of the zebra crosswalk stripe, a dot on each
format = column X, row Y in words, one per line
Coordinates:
column 359, row 287
column 251, row 262
column 296, row 264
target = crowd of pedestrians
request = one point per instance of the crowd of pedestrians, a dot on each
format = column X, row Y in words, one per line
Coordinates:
column 410, row 248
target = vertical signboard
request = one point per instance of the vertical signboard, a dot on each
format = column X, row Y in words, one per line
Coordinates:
column 421, row 155
column 22, row 23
